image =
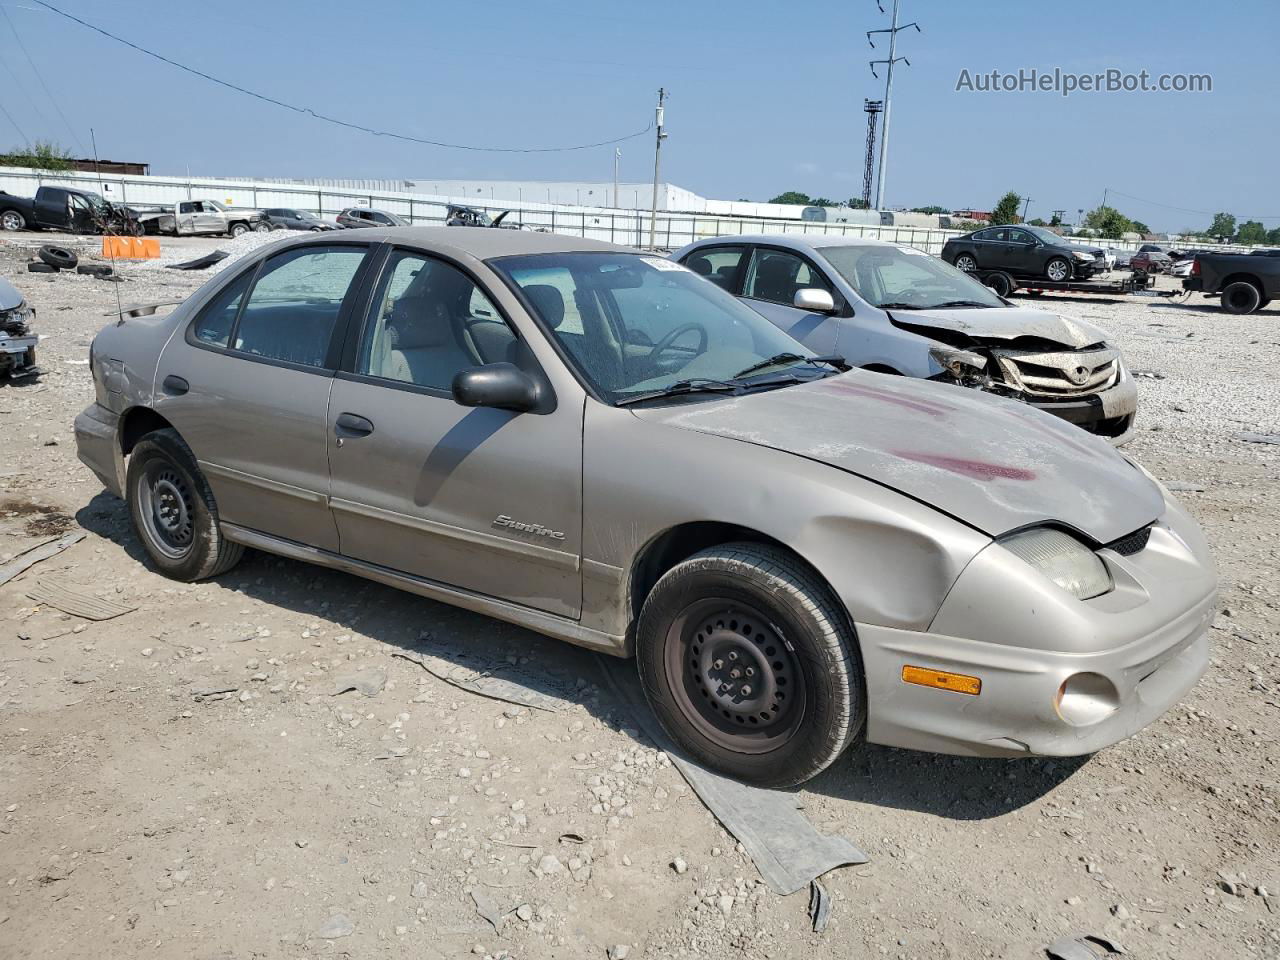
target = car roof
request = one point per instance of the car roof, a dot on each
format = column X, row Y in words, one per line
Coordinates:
column 796, row 241
column 483, row 243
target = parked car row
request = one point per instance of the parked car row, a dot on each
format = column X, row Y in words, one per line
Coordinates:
column 626, row 453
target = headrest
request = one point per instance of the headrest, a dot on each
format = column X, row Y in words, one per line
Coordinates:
column 700, row 265
column 417, row 323
column 548, row 301
column 778, row 268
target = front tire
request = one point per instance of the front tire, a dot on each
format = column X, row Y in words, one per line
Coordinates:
column 750, row 664
column 966, row 263
column 1241, row 297
column 173, row 510
column 1058, row 269
column 238, row 229
column 262, row 228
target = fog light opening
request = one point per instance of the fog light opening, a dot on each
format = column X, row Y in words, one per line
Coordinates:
column 1086, row 698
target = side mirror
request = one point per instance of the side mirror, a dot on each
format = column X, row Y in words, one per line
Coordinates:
column 814, row 299
column 501, row 385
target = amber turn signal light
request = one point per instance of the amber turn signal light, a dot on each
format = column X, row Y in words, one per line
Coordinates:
column 955, row 682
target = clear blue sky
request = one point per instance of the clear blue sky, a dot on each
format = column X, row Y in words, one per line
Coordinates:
column 765, row 96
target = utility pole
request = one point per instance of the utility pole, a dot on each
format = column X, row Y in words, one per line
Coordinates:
column 1026, row 206
column 617, row 155
column 872, row 109
column 892, row 31
column 657, row 161
column 1058, row 214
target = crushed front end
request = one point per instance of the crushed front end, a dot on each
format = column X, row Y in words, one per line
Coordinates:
column 17, row 342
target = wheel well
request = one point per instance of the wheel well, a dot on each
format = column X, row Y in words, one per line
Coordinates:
column 1246, row 278
column 882, row 368
column 136, row 424
column 679, row 544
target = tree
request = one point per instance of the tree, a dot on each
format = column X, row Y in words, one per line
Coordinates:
column 1055, row 221
column 792, row 196
column 857, row 203
column 41, row 155
column 1006, row 210
column 1223, row 226
column 1037, row 222
column 823, row 202
column 1273, row 236
column 930, row 209
column 1139, row 227
column 1251, row 231
column 1108, row 222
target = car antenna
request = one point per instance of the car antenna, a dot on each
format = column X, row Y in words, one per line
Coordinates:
column 106, row 230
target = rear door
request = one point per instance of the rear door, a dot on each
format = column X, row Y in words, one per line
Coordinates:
column 1022, row 252
column 772, row 278
column 247, row 385
column 478, row 498
column 722, row 265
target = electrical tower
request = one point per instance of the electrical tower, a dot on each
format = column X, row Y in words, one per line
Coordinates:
column 892, row 31
column 872, row 108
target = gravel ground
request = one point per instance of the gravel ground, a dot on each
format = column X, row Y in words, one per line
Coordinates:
column 143, row 815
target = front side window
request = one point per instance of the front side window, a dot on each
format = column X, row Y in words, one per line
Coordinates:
column 631, row 324
column 1020, row 236
column 428, row 321
column 776, row 275
column 906, row 278
column 294, row 305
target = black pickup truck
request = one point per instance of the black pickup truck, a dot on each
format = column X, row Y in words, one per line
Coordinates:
column 1245, row 281
column 62, row 208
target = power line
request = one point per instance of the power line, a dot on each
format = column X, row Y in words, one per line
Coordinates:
column 1169, row 206
column 307, row 111
column 15, row 125
column 40, row 77
column 22, row 92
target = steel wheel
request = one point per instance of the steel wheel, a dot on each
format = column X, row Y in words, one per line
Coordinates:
column 966, row 263
column 238, row 230
column 735, row 679
column 165, row 508
column 12, row 220
column 1057, row 270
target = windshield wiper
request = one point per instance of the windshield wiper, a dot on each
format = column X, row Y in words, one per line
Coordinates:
column 957, row 303
column 779, row 358
column 682, row 387
column 899, row 306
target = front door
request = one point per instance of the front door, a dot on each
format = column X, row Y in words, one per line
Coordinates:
column 247, row 385
column 773, row 277
column 482, row 499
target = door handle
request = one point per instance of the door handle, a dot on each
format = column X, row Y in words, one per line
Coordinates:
column 352, row 425
column 175, row 386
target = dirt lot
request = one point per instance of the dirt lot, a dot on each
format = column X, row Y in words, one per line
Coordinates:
column 141, row 815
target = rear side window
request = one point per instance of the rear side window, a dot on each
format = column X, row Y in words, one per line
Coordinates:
column 213, row 325
column 294, row 305
column 717, row 264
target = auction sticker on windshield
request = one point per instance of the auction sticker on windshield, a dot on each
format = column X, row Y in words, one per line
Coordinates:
column 659, row 264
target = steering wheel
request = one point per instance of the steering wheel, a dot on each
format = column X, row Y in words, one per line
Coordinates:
column 665, row 343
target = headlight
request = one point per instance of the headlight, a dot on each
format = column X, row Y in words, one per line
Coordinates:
column 958, row 363
column 1082, row 256
column 1063, row 559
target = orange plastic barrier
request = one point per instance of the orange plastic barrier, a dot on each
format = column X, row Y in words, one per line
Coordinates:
column 130, row 248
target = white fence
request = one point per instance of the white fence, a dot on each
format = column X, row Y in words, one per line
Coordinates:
column 674, row 229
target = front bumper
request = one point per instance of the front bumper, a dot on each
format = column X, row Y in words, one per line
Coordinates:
column 1109, row 414
column 98, row 446
column 1148, row 638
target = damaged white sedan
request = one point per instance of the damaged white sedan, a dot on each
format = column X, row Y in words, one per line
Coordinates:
column 895, row 309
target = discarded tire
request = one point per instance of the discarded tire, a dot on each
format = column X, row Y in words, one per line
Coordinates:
column 1241, row 297
column 59, row 257
column 94, row 269
column 35, row 266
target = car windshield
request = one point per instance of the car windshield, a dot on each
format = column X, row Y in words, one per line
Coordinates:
column 1045, row 236
column 634, row 325
column 886, row 275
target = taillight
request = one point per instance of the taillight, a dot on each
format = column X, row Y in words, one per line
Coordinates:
column 1195, row 267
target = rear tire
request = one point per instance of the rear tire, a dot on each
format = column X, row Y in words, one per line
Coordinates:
column 262, row 228
column 1058, row 269
column 750, row 664
column 12, row 220
column 173, row 510
column 1241, row 297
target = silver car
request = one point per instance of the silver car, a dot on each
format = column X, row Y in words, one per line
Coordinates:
column 599, row 445
column 895, row 309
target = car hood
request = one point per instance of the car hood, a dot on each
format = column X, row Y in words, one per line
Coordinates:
column 1004, row 323
column 10, row 298
column 992, row 463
